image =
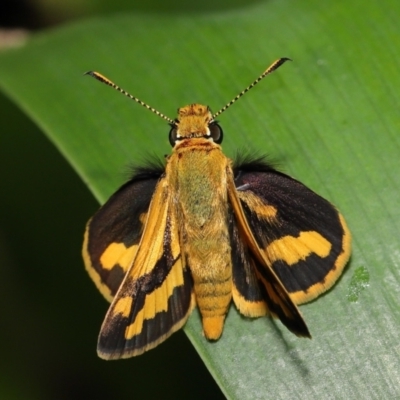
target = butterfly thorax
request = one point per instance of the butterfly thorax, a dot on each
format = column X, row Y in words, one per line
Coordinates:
column 197, row 175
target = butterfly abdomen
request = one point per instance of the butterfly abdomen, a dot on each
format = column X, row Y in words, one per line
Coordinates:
column 199, row 179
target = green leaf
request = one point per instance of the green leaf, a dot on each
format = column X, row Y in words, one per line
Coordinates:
column 330, row 118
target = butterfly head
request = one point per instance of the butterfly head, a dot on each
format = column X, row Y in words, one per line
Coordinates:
column 195, row 121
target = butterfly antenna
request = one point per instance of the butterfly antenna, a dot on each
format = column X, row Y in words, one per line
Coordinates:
column 105, row 80
column 275, row 65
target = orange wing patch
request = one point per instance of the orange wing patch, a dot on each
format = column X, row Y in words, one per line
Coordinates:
column 293, row 249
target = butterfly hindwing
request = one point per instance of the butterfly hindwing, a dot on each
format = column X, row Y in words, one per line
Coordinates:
column 112, row 235
column 246, row 291
column 155, row 297
column 304, row 237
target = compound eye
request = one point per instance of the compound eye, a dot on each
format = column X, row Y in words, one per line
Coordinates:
column 173, row 135
column 216, row 132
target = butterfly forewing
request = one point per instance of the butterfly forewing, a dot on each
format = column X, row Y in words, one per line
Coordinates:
column 155, row 297
column 304, row 237
column 112, row 236
column 277, row 299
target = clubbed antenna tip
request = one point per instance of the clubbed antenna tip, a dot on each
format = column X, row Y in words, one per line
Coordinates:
column 275, row 65
column 105, row 80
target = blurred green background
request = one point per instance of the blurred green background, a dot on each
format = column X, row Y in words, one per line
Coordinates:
column 330, row 118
